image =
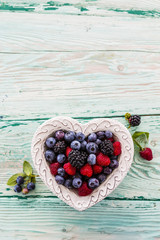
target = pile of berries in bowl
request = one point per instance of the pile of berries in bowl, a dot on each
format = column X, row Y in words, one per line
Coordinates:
column 82, row 162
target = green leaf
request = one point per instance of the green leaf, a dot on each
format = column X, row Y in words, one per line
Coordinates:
column 27, row 168
column 33, row 179
column 147, row 135
column 12, row 180
column 138, row 134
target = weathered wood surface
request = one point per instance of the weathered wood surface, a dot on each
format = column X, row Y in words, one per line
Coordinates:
column 60, row 83
column 48, row 32
column 49, row 218
column 83, row 59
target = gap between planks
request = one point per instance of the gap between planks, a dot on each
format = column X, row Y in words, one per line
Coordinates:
column 2, row 118
column 140, row 198
column 79, row 51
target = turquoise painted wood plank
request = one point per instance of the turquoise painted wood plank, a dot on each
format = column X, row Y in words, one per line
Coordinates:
column 79, row 84
column 52, row 219
column 71, row 33
column 142, row 181
column 91, row 7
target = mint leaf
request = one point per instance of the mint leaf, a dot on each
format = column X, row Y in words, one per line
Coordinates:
column 27, row 168
column 147, row 135
column 138, row 134
column 33, row 179
column 12, row 180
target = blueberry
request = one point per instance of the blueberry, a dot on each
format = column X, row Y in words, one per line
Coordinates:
column 83, row 145
column 59, row 135
column 100, row 135
column 75, row 145
column 114, row 164
column 98, row 141
column 92, row 147
column 31, row 186
column 61, row 158
column 20, row 180
column 80, row 136
column 93, row 183
column 91, row 159
column 108, row 134
column 59, row 179
column 69, row 136
column 107, row 170
column 92, row 137
column 17, row 188
column 61, row 171
column 77, row 182
column 68, row 183
column 50, row 142
column 50, row 156
column 101, row 177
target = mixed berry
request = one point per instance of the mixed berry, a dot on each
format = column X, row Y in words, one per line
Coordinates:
column 133, row 120
column 79, row 162
column 18, row 187
column 24, row 181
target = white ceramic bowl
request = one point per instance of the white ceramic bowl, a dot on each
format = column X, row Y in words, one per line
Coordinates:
column 115, row 178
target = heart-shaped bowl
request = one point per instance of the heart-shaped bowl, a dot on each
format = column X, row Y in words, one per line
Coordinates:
column 70, row 197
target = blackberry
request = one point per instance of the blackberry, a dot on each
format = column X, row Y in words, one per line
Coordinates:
column 60, row 147
column 134, row 120
column 77, row 159
column 106, row 147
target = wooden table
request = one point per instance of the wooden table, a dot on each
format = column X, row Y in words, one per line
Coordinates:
column 84, row 59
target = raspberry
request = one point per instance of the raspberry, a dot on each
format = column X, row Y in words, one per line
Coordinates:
column 117, row 148
column 146, row 154
column 77, row 159
column 60, row 147
column 69, row 169
column 86, row 170
column 134, row 120
column 97, row 169
column 68, row 150
column 84, row 190
column 106, row 147
column 111, row 139
column 54, row 167
column 103, row 160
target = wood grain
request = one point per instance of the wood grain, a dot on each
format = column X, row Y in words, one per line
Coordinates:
column 50, row 32
column 47, row 84
column 141, row 182
column 52, row 219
